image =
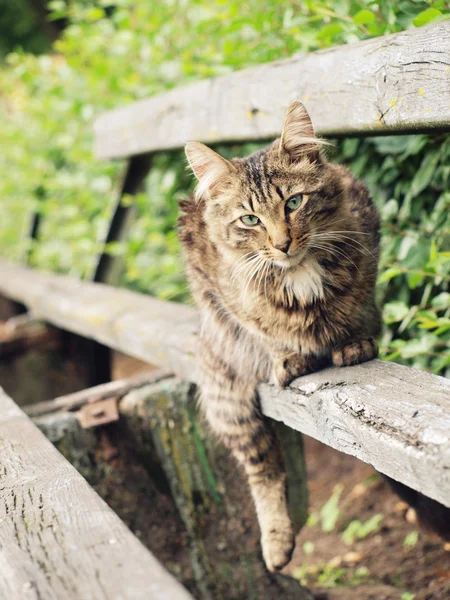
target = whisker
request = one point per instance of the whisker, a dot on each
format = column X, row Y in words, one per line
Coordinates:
column 339, row 237
column 237, row 269
column 253, row 272
column 346, row 231
column 265, row 281
column 265, row 273
column 261, row 275
column 332, row 250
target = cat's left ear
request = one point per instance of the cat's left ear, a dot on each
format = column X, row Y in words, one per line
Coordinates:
column 210, row 168
column 298, row 139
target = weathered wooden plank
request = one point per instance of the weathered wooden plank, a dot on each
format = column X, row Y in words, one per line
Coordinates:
column 113, row 389
column 58, row 538
column 397, row 419
column 393, row 417
column 109, row 315
column 396, row 83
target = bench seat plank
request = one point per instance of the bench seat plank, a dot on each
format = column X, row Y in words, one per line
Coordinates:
column 391, row 416
column 391, row 84
column 58, row 538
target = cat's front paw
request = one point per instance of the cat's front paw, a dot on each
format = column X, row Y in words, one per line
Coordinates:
column 288, row 368
column 355, row 352
column 277, row 547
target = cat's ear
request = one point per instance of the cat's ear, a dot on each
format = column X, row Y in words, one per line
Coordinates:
column 209, row 167
column 297, row 138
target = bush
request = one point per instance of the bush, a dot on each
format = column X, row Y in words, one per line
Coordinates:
column 112, row 53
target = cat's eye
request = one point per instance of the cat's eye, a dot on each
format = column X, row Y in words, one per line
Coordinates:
column 250, row 220
column 294, row 202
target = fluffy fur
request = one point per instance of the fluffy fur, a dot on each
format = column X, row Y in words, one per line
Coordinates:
column 278, row 299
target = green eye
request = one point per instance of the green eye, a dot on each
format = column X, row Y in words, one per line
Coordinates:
column 294, row 202
column 250, row 220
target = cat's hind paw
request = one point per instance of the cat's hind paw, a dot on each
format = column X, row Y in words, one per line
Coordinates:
column 277, row 548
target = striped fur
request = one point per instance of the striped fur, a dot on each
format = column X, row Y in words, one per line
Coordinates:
column 279, row 299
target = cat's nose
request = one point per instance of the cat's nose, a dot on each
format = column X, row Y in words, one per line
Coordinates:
column 283, row 245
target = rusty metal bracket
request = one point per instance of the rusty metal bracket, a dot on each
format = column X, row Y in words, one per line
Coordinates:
column 98, row 413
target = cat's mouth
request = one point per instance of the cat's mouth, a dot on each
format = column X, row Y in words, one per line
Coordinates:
column 290, row 261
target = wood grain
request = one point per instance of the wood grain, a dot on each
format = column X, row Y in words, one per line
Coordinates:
column 392, row 84
column 58, row 539
column 396, row 418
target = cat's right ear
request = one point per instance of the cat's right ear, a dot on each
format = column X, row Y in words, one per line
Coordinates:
column 297, row 138
column 209, row 167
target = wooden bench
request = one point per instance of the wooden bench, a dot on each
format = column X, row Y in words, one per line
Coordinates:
column 393, row 417
column 58, row 537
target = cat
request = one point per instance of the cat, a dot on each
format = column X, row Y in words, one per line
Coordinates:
column 281, row 252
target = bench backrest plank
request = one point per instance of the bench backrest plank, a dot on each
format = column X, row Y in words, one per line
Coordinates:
column 58, row 539
column 392, row 84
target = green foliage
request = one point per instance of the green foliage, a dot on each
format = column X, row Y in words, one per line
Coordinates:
column 19, row 28
column 356, row 530
column 330, row 576
column 411, row 539
column 408, row 177
column 308, row 548
column 329, row 513
column 112, row 53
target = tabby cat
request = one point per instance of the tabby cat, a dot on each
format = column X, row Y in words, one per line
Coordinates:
column 282, row 251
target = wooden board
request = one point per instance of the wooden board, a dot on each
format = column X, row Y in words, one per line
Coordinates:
column 396, row 83
column 58, row 539
column 396, row 418
column 106, row 391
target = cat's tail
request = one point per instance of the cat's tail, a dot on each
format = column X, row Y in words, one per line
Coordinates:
column 432, row 515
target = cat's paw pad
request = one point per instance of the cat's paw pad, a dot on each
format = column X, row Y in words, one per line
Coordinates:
column 277, row 547
column 355, row 353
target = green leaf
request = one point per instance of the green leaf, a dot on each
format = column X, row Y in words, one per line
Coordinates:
column 364, row 17
column 416, row 347
column 308, row 547
column 394, row 312
column 329, row 31
column 389, row 210
column 356, row 530
column 441, row 362
column 433, row 251
column 425, row 173
column 389, row 274
column 329, row 512
column 441, row 301
column 426, row 16
column 411, row 539
column 414, row 280
column 95, row 13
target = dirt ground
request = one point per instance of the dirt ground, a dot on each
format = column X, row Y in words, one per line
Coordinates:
column 395, row 559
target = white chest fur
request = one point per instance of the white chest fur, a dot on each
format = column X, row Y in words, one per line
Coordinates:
column 306, row 282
